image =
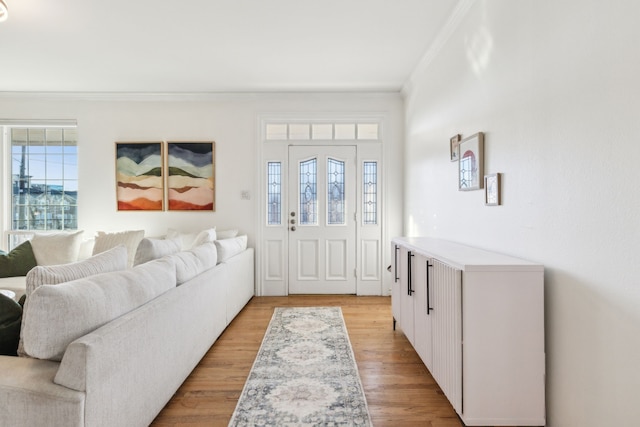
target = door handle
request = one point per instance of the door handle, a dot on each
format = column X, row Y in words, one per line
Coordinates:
column 395, row 261
column 428, row 300
column 293, row 228
column 410, row 290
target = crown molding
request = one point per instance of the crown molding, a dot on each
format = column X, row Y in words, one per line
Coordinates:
column 31, row 123
column 185, row 96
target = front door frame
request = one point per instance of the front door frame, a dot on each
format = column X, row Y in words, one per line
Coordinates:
column 272, row 241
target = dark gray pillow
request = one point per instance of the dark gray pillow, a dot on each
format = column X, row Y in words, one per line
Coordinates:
column 10, row 320
column 18, row 262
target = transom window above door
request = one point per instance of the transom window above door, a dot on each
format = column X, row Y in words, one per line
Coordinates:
column 321, row 131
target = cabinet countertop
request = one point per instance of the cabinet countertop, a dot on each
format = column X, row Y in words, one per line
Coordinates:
column 465, row 257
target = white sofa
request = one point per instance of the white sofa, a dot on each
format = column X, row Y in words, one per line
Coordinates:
column 125, row 371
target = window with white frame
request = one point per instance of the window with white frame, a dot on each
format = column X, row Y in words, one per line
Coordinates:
column 274, row 193
column 43, row 177
column 370, row 193
column 322, row 131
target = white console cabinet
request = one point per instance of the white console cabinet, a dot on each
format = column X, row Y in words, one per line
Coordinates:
column 476, row 319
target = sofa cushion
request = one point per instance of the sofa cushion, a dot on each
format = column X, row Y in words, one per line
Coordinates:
column 55, row 316
column 150, row 249
column 194, row 261
column 131, row 239
column 230, row 247
column 227, row 234
column 56, row 248
column 17, row 262
column 112, row 260
column 10, row 317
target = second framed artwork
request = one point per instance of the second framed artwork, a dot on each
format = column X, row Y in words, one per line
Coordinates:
column 176, row 176
column 190, row 177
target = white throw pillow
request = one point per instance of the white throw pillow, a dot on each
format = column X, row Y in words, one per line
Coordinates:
column 112, row 260
column 56, row 248
column 150, row 249
column 191, row 240
column 230, row 247
column 86, row 249
column 227, row 234
column 57, row 315
column 205, row 236
column 131, row 239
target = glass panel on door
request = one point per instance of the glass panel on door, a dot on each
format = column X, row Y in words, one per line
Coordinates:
column 308, row 192
column 335, row 190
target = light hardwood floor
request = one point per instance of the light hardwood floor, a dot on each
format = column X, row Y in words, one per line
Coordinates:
column 399, row 389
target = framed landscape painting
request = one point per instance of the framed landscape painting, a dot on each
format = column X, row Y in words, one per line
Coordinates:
column 191, row 176
column 139, row 176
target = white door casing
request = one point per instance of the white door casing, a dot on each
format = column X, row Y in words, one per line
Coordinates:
column 273, row 246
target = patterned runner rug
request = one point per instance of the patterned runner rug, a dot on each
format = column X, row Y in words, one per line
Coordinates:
column 305, row 374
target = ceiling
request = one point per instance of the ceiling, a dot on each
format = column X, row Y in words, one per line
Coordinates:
column 192, row 46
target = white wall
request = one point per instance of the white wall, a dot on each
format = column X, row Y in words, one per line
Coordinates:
column 231, row 120
column 555, row 87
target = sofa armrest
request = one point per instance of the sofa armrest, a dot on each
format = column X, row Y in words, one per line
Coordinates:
column 241, row 284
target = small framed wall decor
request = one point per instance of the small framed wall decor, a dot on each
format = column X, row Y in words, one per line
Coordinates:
column 492, row 184
column 471, row 163
column 454, row 141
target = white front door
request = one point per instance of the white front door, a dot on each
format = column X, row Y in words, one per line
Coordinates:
column 321, row 219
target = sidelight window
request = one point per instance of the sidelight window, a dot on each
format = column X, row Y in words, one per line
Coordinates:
column 370, row 193
column 274, row 193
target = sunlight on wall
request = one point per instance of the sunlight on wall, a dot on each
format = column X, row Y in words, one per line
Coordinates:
column 479, row 47
column 412, row 228
column 427, row 123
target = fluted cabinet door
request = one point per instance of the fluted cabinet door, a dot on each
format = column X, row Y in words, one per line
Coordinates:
column 422, row 315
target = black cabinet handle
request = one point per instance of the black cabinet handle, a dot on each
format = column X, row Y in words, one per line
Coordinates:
column 409, row 287
column 428, row 292
column 395, row 264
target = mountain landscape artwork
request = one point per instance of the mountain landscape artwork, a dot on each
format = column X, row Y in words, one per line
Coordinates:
column 139, row 176
column 190, row 171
